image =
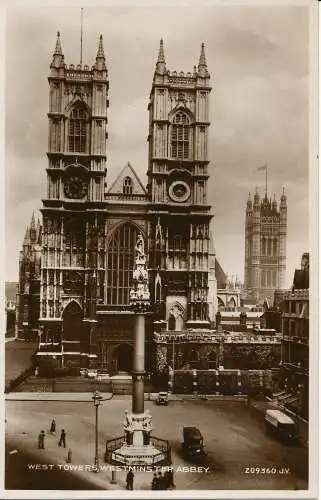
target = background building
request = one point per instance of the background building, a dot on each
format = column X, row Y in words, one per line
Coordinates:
column 265, row 246
column 295, row 341
column 28, row 288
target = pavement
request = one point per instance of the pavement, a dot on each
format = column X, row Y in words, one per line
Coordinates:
column 234, row 437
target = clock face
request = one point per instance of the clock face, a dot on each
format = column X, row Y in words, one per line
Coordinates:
column 75, row 187
column 179, row 191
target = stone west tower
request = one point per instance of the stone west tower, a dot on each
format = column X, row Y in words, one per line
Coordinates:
column 181, row 255
column 73, row 238
column 265, row 246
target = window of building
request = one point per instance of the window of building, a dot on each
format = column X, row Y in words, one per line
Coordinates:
column 77, row 133
column 127, row 186
column 120, row 264
column 180, row 137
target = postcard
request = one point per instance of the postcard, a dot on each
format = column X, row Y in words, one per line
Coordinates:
column 161, row 206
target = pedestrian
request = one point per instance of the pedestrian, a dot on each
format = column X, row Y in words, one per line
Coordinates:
column 160, row 480
column 170, row 479
column 53, row 426
column 155, row 482
column 41, row 440
column 130, row 480
column 62, row 440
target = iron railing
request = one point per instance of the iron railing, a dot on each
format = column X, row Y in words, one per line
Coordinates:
column 159, row 459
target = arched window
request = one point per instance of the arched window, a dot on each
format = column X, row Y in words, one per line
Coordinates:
column 120, row 264
column 180, row 137
column 77, row 133
column 127, row 186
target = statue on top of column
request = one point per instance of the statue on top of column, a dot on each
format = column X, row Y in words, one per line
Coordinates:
column 139, row 295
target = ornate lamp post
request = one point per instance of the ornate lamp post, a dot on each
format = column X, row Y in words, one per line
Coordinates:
column 97, row 402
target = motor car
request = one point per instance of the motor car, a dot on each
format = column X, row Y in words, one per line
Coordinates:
column 101, row 376
column 162, row 398
column 193, row 443
column 91, row 373
column 280, row 425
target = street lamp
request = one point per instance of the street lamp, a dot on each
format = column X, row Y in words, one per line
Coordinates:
column 97, row 401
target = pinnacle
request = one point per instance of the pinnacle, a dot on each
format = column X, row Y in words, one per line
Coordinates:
column 33, row 222
column 100, row 53
column 161, row 64
column 58, row 50
column 202, row 61
column 26, row 239
column 161, row 56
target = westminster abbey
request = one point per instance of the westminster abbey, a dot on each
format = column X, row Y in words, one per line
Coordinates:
column 76, row 265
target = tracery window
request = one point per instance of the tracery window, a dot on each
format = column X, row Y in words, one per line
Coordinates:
column 180, row 136
column 120, row 264
column 77, row 133
column 127, row 186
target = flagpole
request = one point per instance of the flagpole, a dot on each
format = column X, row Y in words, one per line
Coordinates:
column 266, row 169
column 81, row 24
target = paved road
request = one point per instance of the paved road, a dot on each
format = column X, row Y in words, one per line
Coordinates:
column 19, row 476
column 234, row 437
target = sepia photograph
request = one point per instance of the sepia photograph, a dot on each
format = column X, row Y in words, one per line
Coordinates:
column 161, row 199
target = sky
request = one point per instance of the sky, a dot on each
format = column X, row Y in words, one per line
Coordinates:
column 258, row 58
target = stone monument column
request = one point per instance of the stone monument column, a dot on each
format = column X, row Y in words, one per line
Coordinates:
column 139, row 365
column 138, row 447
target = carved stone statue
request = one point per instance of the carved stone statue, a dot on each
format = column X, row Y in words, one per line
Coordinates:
column 128, row 427
column 147, row 427
column 139, row 248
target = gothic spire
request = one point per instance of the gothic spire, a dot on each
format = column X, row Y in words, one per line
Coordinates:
column 100, row 52
column 202, row 66
column 58, row 50
column 33, row 222
column 32, row 229
column 58, row 57
column 26, row 240
column 161, row 63
column 100, row 57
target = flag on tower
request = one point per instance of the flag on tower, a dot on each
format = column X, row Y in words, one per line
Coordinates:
column 264, row 167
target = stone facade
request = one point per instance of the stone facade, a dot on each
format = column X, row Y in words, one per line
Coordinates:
column 89, row 229
column 295, row 341
column 265, row 246
column 28, row 288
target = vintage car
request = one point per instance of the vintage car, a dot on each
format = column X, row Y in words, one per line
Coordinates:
column 92, row 373
column 193, row 443
column 162, row 398
column 281, row 425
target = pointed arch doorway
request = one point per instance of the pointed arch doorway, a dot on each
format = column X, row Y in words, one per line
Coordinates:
column 72, row 322
column 123, row 358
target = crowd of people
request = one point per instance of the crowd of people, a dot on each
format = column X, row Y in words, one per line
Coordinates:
column 160, row 481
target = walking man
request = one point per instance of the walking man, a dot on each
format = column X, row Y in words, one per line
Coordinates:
column 53, row 426
column 155, row 482
column 130, row 480
column 160, row 480
column 41, row 440
column 62, row 440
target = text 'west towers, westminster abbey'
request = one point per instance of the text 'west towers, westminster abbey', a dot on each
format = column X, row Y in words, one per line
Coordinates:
column 76, row 266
